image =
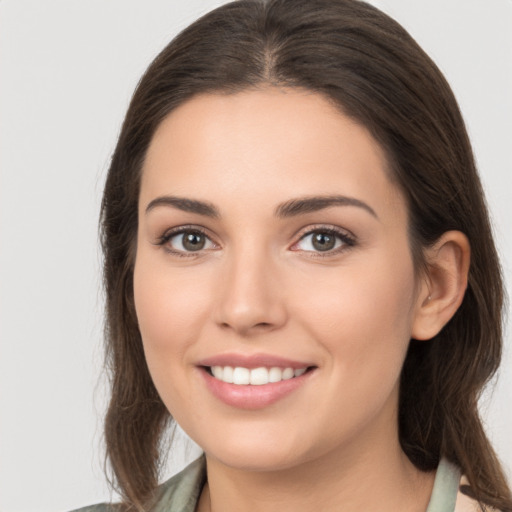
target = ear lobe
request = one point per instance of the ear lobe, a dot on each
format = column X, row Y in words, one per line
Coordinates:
column 443, row 286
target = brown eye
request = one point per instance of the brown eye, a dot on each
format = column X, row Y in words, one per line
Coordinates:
column 193, row 241
column 187, row 241
column 320, row 241
column 323, row 241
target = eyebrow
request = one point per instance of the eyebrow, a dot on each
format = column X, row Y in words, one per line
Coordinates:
column 186, row 205
column 291, row 208
column 303, row 205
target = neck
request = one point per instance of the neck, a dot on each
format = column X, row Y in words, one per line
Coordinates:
column 377, row 476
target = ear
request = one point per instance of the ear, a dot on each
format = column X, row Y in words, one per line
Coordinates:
column 443, row 285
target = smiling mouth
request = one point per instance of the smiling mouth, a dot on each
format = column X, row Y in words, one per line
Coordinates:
column 241, row 376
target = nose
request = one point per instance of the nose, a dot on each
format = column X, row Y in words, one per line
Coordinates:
column 250, row 297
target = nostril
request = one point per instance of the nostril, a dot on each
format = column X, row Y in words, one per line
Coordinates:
column 247, row 328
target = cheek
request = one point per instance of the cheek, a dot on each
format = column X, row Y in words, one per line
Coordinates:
column 362, row 321
column 170, row 310
column 362, row 313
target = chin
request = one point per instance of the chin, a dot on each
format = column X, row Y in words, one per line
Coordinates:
column 256, row 459
column 259, row 453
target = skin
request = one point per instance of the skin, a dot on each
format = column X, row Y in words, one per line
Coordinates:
column 260, row 286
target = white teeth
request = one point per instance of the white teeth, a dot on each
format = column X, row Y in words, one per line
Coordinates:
column 218, row 372
column 259, row 376
column 227, row 375
column 275, row 375
column 241, row 375
column 287, row 373
column 256, row 377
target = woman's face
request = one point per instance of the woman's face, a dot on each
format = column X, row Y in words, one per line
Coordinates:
column 272, row 243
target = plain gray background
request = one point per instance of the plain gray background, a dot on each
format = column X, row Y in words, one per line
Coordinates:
column 67, row 71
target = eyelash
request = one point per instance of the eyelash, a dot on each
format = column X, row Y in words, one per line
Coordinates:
column 347, row 240
column 166, row 237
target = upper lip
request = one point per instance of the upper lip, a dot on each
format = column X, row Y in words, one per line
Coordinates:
column 253, row 361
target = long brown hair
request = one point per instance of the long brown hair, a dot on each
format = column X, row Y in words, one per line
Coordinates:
column 368, row 66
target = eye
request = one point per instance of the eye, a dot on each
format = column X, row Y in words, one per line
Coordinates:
column 186, row 240
column 324, row 240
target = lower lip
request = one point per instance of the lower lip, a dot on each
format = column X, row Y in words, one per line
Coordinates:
column 253, row 397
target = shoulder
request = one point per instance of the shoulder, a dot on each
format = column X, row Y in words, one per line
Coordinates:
column 451, row 491
column 180, row 493
column 465, row 503
column 101, row 507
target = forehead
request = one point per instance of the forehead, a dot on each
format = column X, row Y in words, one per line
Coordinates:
column 260, row 144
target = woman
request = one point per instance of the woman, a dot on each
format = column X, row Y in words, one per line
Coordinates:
column 300, row 271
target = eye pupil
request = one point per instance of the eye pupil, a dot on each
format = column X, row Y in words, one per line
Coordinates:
column 193, row 241
column 323, row 241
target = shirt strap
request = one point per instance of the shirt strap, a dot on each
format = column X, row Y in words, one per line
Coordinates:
column 446, row 487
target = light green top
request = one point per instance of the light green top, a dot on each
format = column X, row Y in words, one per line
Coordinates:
column 181, row 493
column 446, row 487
